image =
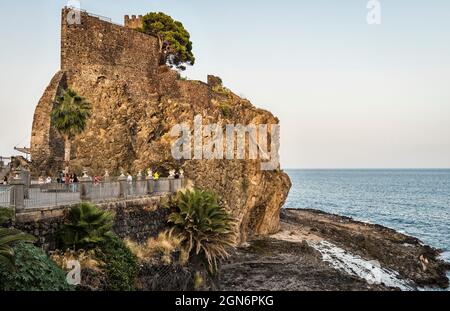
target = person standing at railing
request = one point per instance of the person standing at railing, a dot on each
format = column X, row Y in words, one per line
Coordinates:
column 5, row 181
column 61, row 179
column 75, row 183
column 71, row 183
column 41, row 182
column 155, row 176
column 130, row 183
column 67, row 182
column 155, row 179
column 48, row 180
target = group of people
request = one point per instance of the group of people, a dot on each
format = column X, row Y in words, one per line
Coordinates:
column 61, row 179
column 155, row 176
column 70, row 180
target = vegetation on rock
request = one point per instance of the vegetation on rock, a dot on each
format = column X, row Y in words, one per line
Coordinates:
column 206, row 229
column 175, row 46
column 86, row 227
column 163, row 248
column 221, row 90
column 120, row 265
column 164, row 265
column 226, row 109
column 93, row 277
column 69, row 116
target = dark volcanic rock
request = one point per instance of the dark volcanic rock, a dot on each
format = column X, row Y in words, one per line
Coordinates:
column 273, row 265
column 405, row 254
column 286, row 261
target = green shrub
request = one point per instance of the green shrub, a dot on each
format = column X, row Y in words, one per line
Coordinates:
column 6, row 214
column 226, row 109
column 34, row 272
column 121, row 266
column 86, row 227
column 221, row 90
column 207, row 230
column 8, row 237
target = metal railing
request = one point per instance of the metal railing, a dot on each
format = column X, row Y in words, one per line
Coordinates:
column 103, row 18
column 6, row 196
column 100, row 17
column 136, row 189
column 58, row 194
column 162, row 185
column 50, row 195
column 104, row 191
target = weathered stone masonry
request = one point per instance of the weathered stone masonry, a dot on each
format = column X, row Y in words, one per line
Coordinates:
column 133, row 22
column 136, row 219
column 99, row 43
column 46, row 145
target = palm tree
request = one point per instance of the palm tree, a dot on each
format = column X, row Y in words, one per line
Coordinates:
column 87, row 226
column 69, row 116
column 7, row 239
column 205, row 228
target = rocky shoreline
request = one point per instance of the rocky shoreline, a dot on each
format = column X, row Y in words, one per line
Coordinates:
column 319, row 251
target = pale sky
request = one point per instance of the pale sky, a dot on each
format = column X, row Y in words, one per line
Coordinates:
column 348, row 94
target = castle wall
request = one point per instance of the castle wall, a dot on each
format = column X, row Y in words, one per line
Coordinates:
column 133, row 22
column 98, row 49
column 98, row 42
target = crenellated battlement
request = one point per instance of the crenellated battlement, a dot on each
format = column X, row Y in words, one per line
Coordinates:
column 133, row 22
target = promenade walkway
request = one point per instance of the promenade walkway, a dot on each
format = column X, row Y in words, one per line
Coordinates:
column 55, row 195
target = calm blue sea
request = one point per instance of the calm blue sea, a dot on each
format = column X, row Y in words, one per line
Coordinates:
column 415, row 202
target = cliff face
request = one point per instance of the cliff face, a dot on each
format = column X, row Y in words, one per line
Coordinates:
column 136, row 103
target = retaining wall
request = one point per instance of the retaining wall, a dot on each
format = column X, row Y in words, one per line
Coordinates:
column 136, row 219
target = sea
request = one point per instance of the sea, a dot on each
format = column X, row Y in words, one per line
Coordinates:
column 412, row 201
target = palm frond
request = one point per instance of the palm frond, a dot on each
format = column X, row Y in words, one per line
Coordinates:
column 8, row 237
column 207, row 229
column 86, row 225
column 70, row 113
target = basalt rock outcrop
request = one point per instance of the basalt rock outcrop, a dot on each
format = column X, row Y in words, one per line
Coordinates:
column 136, row 102
column 364, row 257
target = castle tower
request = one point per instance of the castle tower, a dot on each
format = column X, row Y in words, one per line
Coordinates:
column 134, row 22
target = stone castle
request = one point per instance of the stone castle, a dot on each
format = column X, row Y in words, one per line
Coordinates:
column 134, row 22
column 136, row 101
